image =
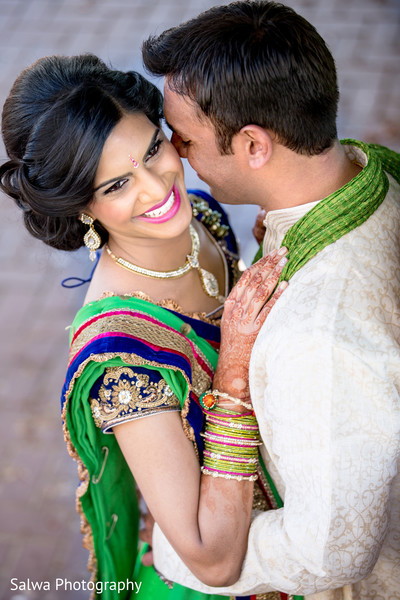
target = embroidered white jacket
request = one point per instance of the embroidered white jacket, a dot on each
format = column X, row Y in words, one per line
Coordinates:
column 325, row 385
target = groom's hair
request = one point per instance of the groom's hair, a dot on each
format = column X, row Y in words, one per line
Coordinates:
column 257, row 63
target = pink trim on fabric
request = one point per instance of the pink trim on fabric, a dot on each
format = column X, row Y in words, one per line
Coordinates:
column 123, row 335
column 147, row 318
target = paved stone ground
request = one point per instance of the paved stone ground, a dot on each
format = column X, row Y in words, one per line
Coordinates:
column 39, row 529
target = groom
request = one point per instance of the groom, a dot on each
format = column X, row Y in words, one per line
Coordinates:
column 251, row 97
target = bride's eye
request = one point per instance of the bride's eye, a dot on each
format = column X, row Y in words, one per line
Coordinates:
column 116, row 186
column 155, row 148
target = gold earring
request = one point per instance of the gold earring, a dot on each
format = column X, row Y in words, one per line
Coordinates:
column 91, row 239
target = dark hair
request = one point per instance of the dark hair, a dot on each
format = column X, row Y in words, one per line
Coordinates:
column 253, row 63
column 55, row 122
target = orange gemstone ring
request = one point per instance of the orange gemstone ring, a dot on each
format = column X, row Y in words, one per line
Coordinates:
column 208, row 400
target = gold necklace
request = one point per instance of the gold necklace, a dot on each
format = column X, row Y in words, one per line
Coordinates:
column 208, row 280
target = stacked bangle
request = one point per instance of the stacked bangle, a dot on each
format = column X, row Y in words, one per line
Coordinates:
column 231, row 443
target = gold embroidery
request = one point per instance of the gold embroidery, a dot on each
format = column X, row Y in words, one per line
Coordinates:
column 129, row 358
column 83, row 472
column 150, row 332
column 186, row 329
column 167, row 303
column 131, row 396
column 259, row 500
column 266, row 487
column 211, row 219
column 135, row 360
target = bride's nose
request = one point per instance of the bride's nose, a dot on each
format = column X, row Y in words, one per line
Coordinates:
column 153, row 188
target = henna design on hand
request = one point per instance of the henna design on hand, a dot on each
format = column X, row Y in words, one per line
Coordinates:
column 245, row 311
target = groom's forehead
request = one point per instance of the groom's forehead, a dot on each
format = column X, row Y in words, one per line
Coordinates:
column 176, row 102
column 182, row 114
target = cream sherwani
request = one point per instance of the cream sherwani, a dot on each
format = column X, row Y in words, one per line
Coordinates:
column 325, row 385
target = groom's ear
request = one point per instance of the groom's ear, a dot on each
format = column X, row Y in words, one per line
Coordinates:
column 255, row 144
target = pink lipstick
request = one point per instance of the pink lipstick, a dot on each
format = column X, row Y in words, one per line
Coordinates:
column 165, row 210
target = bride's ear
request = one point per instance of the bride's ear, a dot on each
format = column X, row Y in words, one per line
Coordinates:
column 255, row 145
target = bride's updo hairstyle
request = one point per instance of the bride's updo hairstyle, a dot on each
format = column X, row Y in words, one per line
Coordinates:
column 55, row 122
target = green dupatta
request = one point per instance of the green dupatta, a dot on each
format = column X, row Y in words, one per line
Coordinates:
column 104, row 335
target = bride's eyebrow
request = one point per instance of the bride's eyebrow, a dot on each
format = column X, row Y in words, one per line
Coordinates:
column 113, row 180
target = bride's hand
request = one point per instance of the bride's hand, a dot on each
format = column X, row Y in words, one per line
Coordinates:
column 245, row 310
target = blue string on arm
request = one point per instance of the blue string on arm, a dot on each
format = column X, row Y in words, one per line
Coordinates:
column 74, row 282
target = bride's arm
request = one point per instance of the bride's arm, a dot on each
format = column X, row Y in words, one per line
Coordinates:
column 206, row 519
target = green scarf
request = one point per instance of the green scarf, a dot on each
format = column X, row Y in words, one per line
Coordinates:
column 106, row 499
column 342, row 211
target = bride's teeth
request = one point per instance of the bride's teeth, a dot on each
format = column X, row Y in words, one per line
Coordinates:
column 158, row 212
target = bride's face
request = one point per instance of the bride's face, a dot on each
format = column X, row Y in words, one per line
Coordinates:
column 139, row 184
